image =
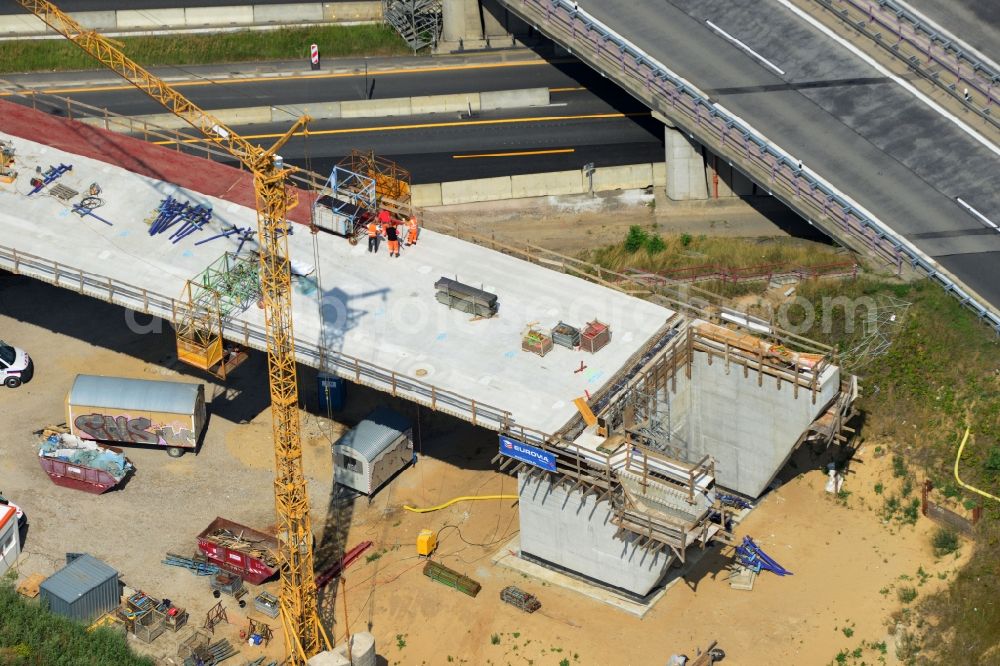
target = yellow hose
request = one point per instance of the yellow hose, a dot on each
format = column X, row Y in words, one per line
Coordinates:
column 467, row 498
column 961, row 447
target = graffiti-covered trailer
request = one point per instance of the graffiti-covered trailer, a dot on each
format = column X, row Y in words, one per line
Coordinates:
column 137, row 411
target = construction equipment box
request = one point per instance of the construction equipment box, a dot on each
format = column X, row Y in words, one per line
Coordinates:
column 137, row 411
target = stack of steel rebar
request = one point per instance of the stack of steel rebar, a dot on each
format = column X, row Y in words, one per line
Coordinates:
column 196, row 567
column 215, row 653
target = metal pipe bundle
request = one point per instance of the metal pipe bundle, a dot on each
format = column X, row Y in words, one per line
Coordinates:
column 197, row 568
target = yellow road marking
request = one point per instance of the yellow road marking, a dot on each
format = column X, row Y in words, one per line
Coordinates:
column 279, row 79
column 517, row 154
column 455, row 123
column 555, row 90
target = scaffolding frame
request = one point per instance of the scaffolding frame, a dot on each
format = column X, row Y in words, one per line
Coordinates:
column 226, row 287
column 392, row 182
column 418, row 22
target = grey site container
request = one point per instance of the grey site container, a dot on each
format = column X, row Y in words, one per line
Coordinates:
column 84, row 589
column 367, row 456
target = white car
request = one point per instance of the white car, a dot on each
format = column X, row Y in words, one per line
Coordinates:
column 16, row 367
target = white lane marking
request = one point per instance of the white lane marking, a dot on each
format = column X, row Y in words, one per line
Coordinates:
column 885, row 72
column 746, row 48
column 975, row 212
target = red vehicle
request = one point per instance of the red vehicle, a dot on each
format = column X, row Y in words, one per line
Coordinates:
column 76, row 463
column 241, row 550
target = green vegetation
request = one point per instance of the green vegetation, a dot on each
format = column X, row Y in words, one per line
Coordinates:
column 945, row 542
column 495, row 639
column 684, row 250
column 32, row 55
column 400, row 641
column 31, row 635
column 907, row 594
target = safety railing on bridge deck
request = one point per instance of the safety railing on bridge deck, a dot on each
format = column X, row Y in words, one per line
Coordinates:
column 903, row 34
column 785, row 177
column 758, row 273
column 254, row 336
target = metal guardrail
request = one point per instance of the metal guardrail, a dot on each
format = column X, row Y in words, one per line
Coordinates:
column 783, row 175
column 893, row 27
column 254, row 336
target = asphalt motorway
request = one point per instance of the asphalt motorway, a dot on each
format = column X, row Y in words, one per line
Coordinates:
column 857, row 128
column 445, row 147
column 588, row 120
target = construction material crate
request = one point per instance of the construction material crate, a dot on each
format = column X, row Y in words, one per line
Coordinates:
column 148, row 627
column 536, row 342
column 196, row 641
column 595, row 336
column 451, row 578
column 565, row 335
column 463, row 297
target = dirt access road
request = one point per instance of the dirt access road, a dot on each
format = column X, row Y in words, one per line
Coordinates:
column 847, row 563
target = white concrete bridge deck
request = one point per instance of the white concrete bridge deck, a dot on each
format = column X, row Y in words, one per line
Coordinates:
column 373, row 318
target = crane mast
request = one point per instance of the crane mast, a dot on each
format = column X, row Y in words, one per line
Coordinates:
column 304, row 634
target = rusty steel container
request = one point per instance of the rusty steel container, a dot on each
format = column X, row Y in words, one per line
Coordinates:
column 240, row 550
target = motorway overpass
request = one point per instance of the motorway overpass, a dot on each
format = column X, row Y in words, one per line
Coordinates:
column 805, row 117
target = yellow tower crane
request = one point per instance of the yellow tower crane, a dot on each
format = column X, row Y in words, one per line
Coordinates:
column 304, row 635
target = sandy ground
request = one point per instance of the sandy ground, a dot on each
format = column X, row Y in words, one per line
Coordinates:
column 847, row 563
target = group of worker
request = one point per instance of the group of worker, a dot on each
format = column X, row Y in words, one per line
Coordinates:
column 383, row 226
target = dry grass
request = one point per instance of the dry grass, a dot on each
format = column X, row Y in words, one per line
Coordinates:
column 31, row 55
column 681, row 251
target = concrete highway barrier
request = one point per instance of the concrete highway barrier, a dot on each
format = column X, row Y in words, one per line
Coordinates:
column 250, row 15
column 365, row 108
column 625, row 177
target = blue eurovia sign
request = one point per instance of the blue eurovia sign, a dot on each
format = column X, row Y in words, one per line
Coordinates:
column 525, row 453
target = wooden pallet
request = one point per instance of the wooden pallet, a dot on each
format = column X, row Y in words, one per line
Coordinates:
column 29, row 586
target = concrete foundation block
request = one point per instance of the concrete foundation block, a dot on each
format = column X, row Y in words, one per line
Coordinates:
column 575, row 532
column 626, row 177
column 360, row 12
column 299, row 12
column 659, row 174
column 104, row 20
column 150, row 19
column 21, row 24
column 248, row 116
column 196, row 17
column 318, row 111
column 428, row 194
column 444, row 103
column 375, row 108
column 545, row 184
column 482, row 189
column 512, row 99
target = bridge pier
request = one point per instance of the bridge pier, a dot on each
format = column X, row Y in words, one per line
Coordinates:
column 695, row 173
column 478, row 24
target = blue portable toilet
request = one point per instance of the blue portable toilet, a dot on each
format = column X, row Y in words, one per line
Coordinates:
column 332, row 391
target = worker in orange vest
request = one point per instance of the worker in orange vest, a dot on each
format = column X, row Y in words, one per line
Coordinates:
column 373, row 233
column 411, row 234
column 392, row 235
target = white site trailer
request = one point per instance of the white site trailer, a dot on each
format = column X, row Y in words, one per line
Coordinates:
column 370, row 453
